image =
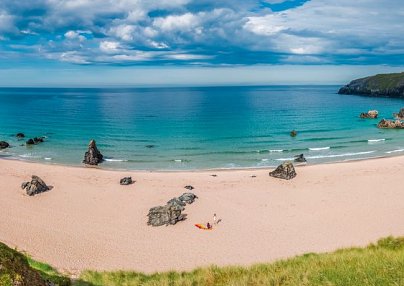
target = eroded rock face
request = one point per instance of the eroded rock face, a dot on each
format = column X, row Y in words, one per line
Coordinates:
column 36, row 186
column 390, row 124
column 171, row 213
column 399, row 115
column 126, row 181
column 93, row 156
column 300, row 159
column 370, row 114
column 285, row 171
column 4, row 145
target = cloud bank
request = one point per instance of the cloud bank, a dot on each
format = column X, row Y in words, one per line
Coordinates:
column 203, row 32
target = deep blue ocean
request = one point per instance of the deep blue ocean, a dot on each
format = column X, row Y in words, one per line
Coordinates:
column 196, row 128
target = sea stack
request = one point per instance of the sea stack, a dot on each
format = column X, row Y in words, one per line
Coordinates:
column 93, row 156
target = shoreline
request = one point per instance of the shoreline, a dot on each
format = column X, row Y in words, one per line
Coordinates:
column 296, row 165
column 89, row 221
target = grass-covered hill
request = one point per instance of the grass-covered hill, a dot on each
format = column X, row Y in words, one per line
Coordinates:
column 384, row 85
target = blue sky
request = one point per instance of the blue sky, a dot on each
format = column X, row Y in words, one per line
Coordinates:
column 126, row 39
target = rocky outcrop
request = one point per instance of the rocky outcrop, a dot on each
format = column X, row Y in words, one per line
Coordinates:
column 36, row 186
column 93, row 156
column 390, row 124
column 370, row 114
column 300, row 159
column 171, row 213
column 381, row 85
column 4, row 145
column 285, row 171
column 20, row 135
column 399, row 115
column 126, row 181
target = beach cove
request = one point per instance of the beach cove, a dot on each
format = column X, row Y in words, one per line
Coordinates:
column 89, row 221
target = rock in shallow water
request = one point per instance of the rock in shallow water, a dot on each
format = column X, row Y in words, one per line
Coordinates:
column 390, row 124
column 93, row 156
column 370, row 114
column 285, row 171
column 4, row 145
column 36, row 186
column 20, row 135
column 126, row 181
column 400, row 114
column 300, row 159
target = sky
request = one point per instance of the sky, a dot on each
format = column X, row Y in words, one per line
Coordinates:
column 180, row 42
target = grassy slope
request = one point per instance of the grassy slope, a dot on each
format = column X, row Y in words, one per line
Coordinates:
column 379, row 264
column 385, row 81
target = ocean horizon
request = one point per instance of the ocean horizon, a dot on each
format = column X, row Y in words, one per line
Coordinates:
column 191, row 128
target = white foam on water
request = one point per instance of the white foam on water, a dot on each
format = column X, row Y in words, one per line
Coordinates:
column 276, row 151
column 264, row 160
column 395, row 151
column 29, row 156
column 371, row 141
column 319, row 149
column 178, row 160
column 340, row 155
column 48, row 158
column 115, row 160
column 285, row 159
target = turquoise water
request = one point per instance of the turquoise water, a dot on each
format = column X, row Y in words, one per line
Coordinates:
column 196, row 128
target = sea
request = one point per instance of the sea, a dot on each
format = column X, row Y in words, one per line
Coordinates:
column 192, row 128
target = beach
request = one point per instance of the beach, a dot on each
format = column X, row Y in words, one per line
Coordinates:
column 89, row 221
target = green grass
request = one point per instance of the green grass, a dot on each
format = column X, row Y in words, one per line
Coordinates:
column 378, row 264
column 385, row 81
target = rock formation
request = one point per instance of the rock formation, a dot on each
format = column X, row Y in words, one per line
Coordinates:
column 126, row 181
column 370, row 114
column 35, row 140
column 189, row 187
column 390, row 124
column 293, row 133
column 36, row 186
column 4, row 145
column 92, row 156
column 285, row 171
column 381, row 85
column 300, row 158
column 171, row 213
column 20, row 135
column 400, row 114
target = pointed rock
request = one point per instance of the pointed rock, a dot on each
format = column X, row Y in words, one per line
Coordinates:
column 93, row 156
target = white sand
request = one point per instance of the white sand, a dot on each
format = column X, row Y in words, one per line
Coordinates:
column 89, row 221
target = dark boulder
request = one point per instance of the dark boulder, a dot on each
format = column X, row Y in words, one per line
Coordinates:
column 4, row 145
column 293, row 133
column 150, row 146
column 300, row 159
column 285, row 171
column 20, row 135
column 189, row 187
column 176, row 202
column 165, row 215
column 30, row 142
column 35, row 140
column 93, row 156
column 370, row 114
column 36, row 186
column 188, row 198
column 126, row 181
column 390, row 124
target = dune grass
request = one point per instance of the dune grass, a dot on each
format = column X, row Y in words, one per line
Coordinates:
column 378, row 264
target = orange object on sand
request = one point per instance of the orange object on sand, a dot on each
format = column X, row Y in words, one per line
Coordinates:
column 202, row 226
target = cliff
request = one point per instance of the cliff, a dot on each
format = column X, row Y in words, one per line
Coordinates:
column 383, row 85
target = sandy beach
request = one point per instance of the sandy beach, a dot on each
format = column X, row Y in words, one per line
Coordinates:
column 89, row 221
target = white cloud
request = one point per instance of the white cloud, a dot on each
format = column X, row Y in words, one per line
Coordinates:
column 109, row 46
column 73, row 35
column 184, row 22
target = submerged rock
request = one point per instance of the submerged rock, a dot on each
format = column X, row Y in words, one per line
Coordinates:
column 126, row 181
column 399, row 115
column 293, row 133
column 300, row 158
column 4, row 145
column 370, row 114
column 165, row 215
column 35, row 140
column 20, row 135
column 36, row 186
column 390, row 124
column 93, row 156
column 285, row 171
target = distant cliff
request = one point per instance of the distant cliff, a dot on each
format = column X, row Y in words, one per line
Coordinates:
column 383, row 85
